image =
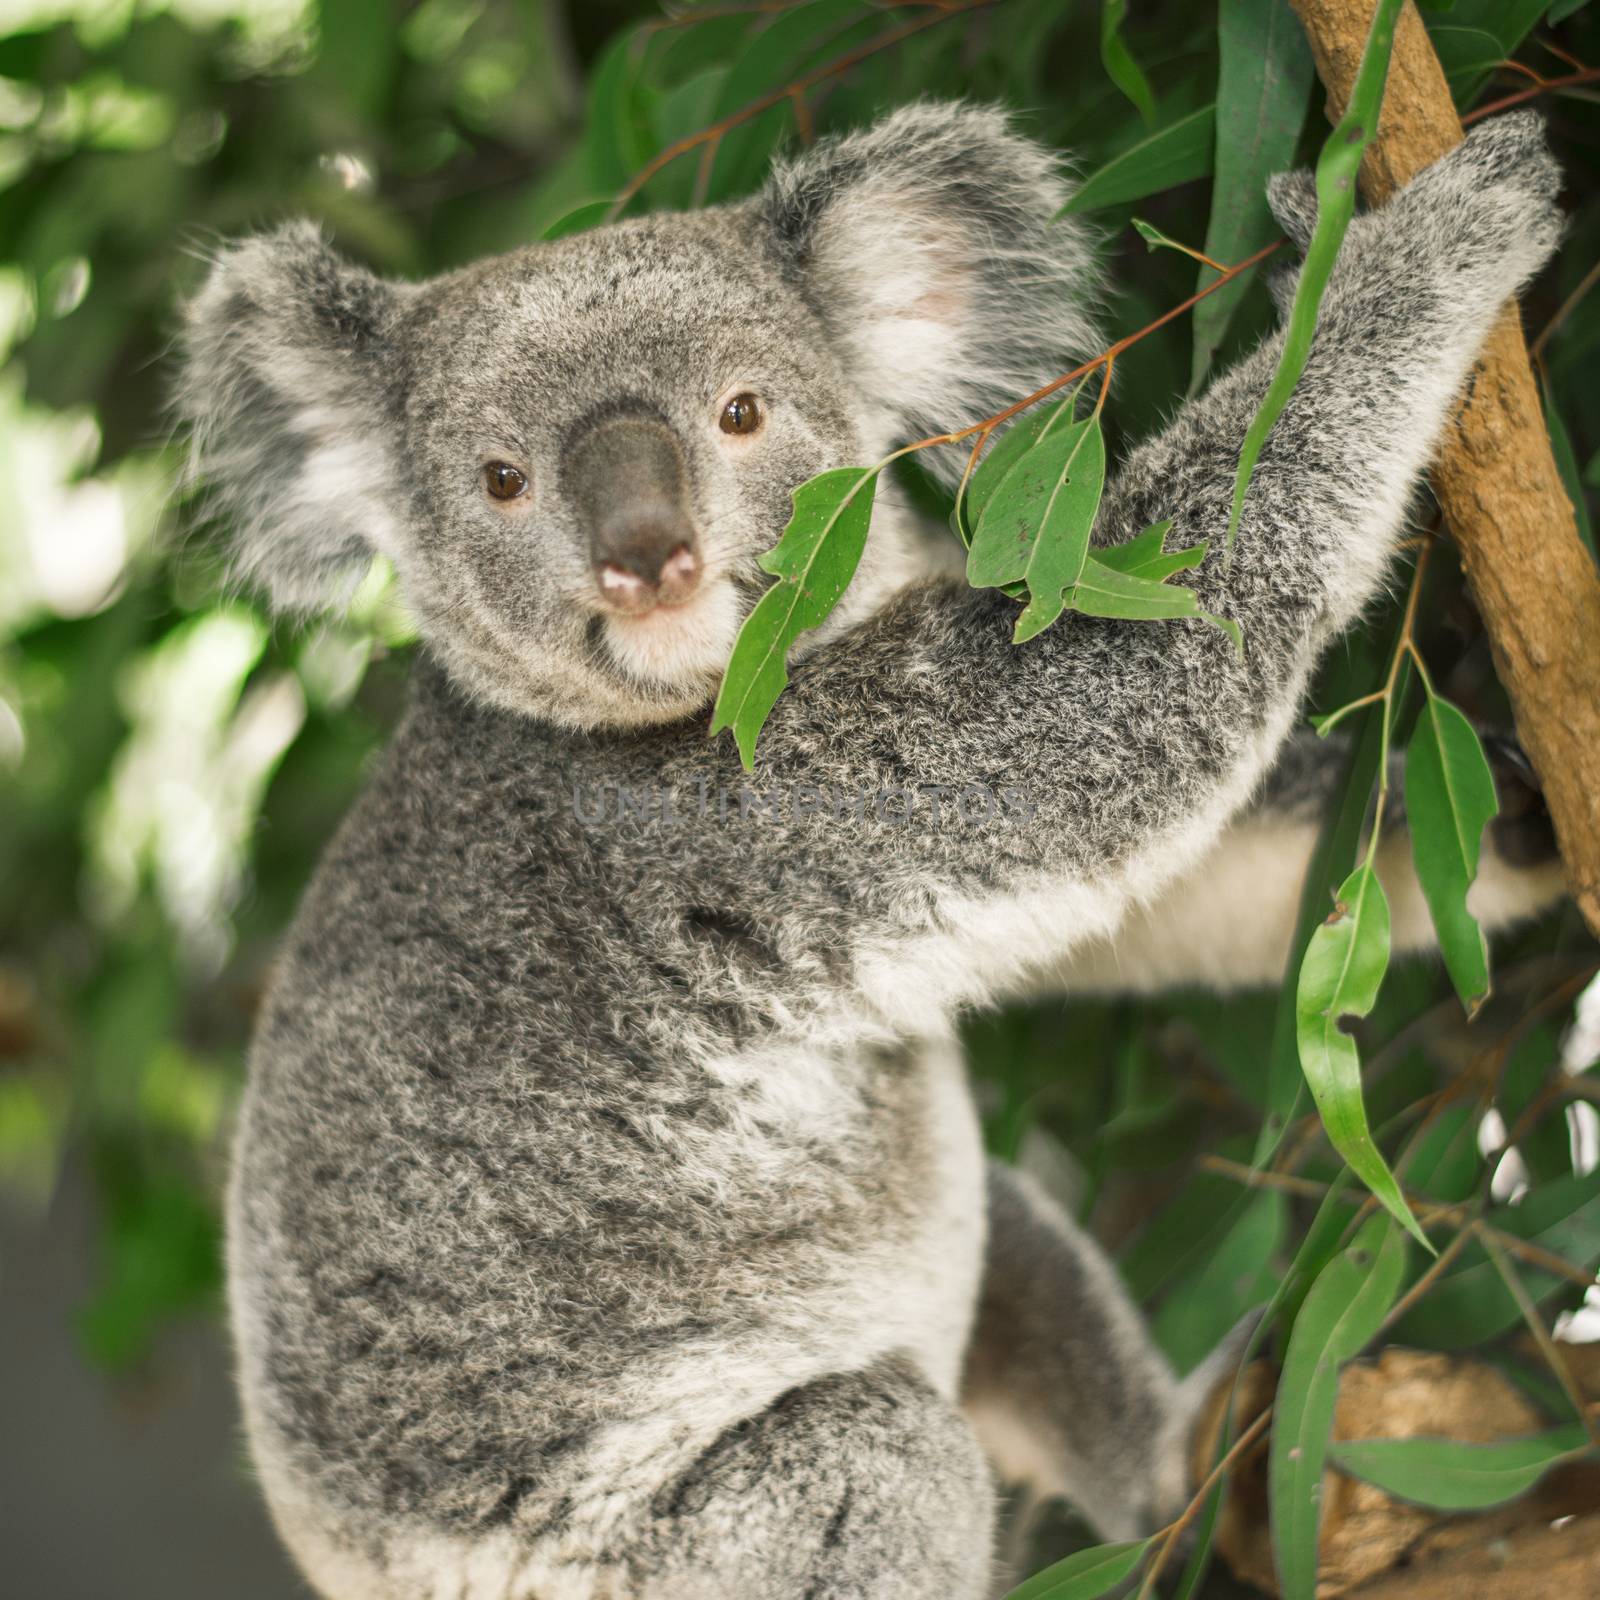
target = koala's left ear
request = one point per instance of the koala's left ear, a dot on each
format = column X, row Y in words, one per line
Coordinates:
column 290, row 387
column 928, row 247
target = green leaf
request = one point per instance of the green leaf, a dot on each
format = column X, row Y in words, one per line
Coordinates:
column 1471, row 1303
column 1452, row 1475
column 1105, row 591
column 1468, row 56
column 1340, row 977
column 1085, row 1575
column 1177, row 153
column 591, row 214
column 1336, row 203
column 1035, row 528
column 1264, row 83
column 1567, row 465
column 1449, row 799
column 1014, row 443
column 1120, row 66
column 1236, row 1275
column 815, row 561
column 1340, row 1316
column 617, row 138
column 1144, row 557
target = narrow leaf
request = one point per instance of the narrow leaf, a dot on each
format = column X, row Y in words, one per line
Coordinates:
column 1104, row 591
column 1449, row 799
column 1120, row 66
column 578, row 220
column 1343, row 969
column 1264, row 82
column 1452, row 1475
column 815, row 560
column 1143, row 557
column 1085, row 1575
column 1336, row 203
column 1177, row 153
column 1340, row 1316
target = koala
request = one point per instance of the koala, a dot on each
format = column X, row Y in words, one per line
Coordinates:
column 609, row 1218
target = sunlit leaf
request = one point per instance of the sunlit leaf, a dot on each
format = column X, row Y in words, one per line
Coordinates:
column 1449, row 799
column 1175, row 154
column 814, row 561
column 1343, row 969
column 1340, row 1316
column 1451, row 1475
column 1336, row 203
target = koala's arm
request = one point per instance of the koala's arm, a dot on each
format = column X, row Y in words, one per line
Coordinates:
column 1136, row 743
column 1229, row 922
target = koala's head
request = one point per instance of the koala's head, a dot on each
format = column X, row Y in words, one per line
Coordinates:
column 574, row 453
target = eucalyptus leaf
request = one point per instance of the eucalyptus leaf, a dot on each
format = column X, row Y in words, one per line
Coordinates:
column 1567, row 464
column 1144, row 556
column 1085, row 1575
column 1264, row 80
column 1452, row 1475
column 1177, row 153
column 1340, row 1316
column 1450, row 798
column 1340, row 977
column 814, row 561
column 1336, row 203
column 1118, row 59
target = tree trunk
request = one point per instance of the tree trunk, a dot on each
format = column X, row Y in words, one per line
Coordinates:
column 1495, row 478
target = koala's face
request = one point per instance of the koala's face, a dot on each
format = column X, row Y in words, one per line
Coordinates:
column 601, row 435
column 575, row 453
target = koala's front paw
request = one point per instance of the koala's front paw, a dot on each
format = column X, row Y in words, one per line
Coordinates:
column 1487, row 210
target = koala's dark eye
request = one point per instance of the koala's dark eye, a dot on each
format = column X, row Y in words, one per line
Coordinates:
column 504, row 481
column 742, row 414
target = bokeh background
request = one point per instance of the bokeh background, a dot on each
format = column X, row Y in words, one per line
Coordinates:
column 171, row 762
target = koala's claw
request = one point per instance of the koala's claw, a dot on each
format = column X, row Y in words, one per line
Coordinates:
column 1512, row 149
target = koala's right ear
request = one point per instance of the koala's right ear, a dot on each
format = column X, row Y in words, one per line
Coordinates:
column 290, row 387
column 932, row 250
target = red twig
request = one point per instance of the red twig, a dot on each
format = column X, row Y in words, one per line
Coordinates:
column 1544, row 86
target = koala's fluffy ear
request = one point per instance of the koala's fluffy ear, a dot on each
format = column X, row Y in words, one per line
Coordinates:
column 928, row 247
column 289, row 386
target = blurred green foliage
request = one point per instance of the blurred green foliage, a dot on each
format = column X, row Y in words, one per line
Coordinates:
column 171, row 764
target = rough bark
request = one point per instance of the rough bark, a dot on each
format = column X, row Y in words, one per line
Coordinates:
column 1496, row 479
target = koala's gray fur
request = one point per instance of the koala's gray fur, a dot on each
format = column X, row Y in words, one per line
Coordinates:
column 609, row 1213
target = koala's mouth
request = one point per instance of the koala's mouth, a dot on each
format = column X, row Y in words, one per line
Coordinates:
column 672, row 651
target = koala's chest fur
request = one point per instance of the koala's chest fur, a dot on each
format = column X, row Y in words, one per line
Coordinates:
column 514, row 1165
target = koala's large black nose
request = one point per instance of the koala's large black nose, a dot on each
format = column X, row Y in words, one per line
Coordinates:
column 627, row 482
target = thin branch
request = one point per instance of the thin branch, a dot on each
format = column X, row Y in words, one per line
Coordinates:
column 1556, row 1362
column 1522, row 96
column 1565, row 310
column 1175, row 1530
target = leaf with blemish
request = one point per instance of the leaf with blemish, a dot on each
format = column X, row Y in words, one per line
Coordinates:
column 1449, row 799
column 814, row 561
column 1035, row 526
column 1340, row 977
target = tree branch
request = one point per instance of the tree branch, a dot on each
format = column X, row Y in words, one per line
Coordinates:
column 1495, row 478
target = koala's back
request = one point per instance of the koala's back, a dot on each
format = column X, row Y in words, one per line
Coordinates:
column 504, row 1231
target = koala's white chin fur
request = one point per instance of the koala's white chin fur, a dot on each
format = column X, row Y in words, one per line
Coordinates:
column 678, row 645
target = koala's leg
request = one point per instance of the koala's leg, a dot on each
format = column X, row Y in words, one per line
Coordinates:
column 1067, row 1392
column 1228, row 923
column 860, row 1486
